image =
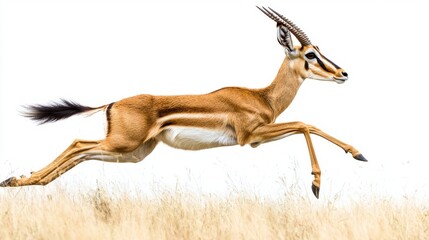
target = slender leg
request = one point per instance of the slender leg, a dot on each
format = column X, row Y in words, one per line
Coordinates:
column 315, row 187
column 77, row 152
column 346, row 147
column 76, row 148
column 272, row 132
column 101, row 155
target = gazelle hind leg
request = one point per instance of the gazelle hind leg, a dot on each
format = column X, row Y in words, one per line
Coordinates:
column 78, row 152
column 137, row 155
column 106, row 156
column 54, row 168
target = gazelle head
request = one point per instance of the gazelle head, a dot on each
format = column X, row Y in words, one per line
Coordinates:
column 307, row 59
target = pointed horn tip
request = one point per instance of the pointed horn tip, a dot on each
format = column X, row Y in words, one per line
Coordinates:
column 264, row 10
column 261, row 8
column 302, row 37
column 270, row 15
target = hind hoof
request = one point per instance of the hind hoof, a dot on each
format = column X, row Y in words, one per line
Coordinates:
column 8, row 182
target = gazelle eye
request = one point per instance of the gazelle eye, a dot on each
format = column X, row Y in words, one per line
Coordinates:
column 310, row 55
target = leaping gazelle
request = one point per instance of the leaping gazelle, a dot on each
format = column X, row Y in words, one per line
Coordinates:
column 225, row 117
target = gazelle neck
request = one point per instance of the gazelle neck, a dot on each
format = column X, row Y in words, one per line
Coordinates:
column 283, row 89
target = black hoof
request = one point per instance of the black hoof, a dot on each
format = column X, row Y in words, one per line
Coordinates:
column 315, row 190
column 360, row 157
column 6, row 183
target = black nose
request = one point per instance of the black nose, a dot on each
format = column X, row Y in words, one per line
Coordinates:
column 345, row 74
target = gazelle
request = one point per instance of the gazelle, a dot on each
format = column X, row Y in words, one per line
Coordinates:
column 225, row 117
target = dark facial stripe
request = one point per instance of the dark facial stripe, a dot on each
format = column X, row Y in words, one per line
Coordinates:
column 306, row 65
column 327, row 59
column 321, row 64
column 335, row 65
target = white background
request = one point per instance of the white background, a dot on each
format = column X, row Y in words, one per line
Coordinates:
column 97, row 52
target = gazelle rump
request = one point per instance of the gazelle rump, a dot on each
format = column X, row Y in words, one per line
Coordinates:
column 225, row 117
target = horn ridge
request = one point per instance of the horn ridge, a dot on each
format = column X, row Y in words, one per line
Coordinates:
column 302, row 37
column 274, row 17
column 280, row 19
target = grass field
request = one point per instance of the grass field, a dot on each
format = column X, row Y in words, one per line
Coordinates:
column 35, row 213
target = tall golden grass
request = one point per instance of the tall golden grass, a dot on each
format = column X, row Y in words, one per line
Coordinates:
column 33, row 213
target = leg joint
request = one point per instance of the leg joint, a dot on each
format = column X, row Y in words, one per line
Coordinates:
column 303, row 127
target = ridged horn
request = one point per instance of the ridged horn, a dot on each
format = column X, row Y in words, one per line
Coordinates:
column 280, row 19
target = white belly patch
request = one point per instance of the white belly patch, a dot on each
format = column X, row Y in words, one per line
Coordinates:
column 196, row 138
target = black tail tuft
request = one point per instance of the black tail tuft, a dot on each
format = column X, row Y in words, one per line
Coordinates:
column 54, row 111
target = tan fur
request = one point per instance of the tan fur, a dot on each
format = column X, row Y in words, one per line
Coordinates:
column 138, row 123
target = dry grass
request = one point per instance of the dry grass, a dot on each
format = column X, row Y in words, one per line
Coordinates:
column 33, row 213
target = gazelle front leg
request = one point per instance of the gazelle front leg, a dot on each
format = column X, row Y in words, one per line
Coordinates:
column 346, row 147
column 315, row 187
column 276, row 131
column 272, row 132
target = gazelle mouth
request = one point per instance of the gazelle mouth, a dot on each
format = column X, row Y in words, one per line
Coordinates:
column 340, row 80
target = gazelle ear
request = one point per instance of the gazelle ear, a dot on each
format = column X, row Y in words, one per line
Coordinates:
column 284, row 38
